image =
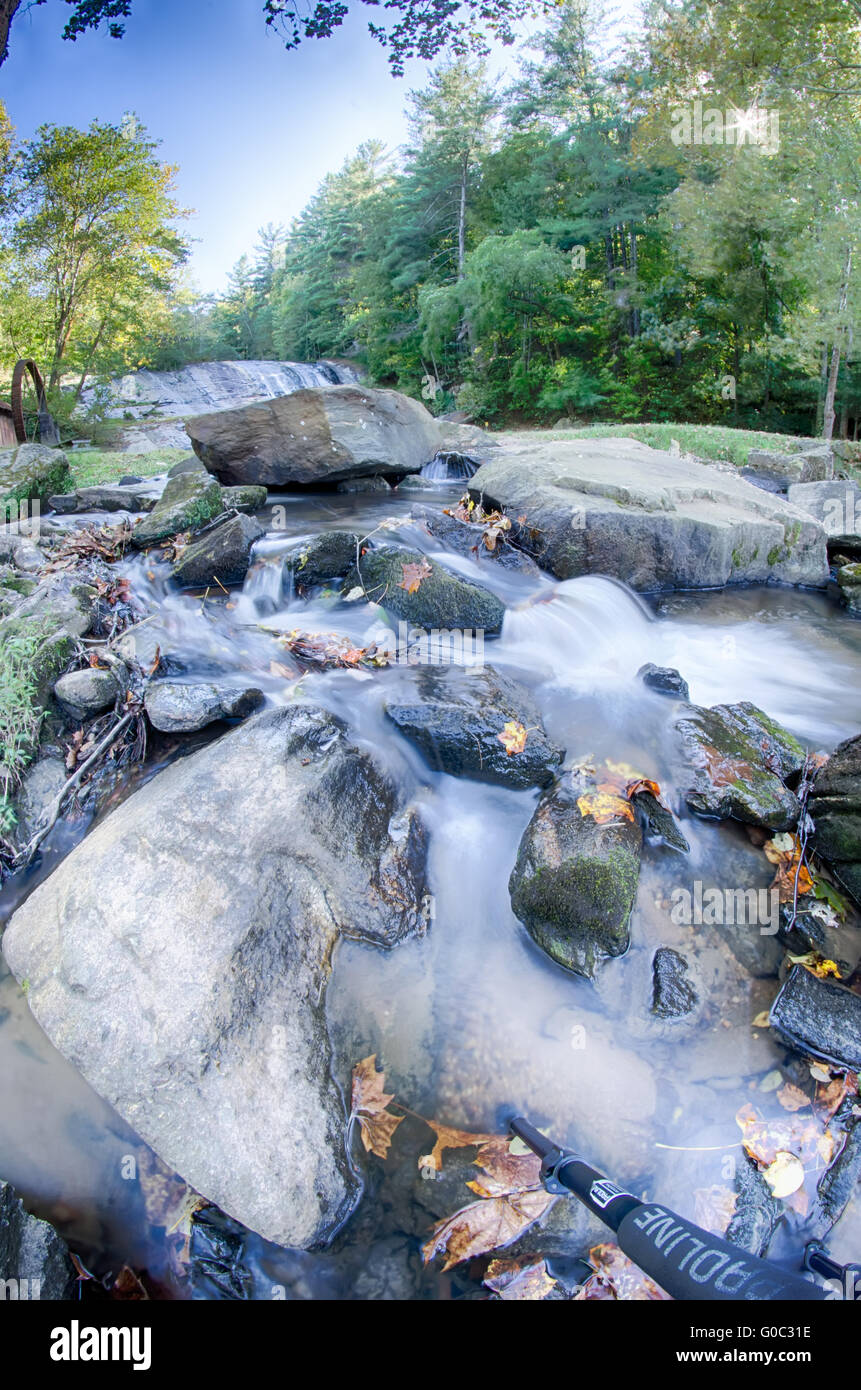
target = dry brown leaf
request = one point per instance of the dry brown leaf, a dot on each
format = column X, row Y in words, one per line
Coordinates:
column 784, row 851
column 618, row 1277
column 488, row 1224
column 714, row 1208
column 127, row 1287
column 414, row 574
column 513, row 737
column 792, row 1097
column 369, row 1106
column 448, row 1138
column 277, row 668
column 510, row 1280
column 830, row 1095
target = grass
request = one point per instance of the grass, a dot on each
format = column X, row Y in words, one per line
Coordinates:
column 92, row 466
column 705, row 441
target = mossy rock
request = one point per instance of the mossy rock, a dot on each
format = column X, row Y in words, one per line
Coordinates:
column 738, row 760
column 330, row 555
column 30, row 473
column 189, row 501
column 439, row 600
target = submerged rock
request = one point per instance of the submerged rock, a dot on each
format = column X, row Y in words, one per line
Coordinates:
column 665, row 679
column 201, row 967
column 835, row 807
column 575, row 882
column 818, row 1017
column 673, row 993
column 455, row 715
column 740, row 760
column 85, row 693
column 34, row 1260
column 650, row 518
column 174, row 707
column 221, row 556
column 373, row 484
column 189, row 501
column 441, row 600
column 330, row 555
column 757, row 1212
column 317, row 436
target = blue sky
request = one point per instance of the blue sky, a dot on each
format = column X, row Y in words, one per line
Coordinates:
column 252, row 127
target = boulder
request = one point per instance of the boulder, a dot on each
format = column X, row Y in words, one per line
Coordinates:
column 655, row 520
column 819, row 1018
column 106, row 498
column 244, row 499
column 849, row 583
column 835, row 807
column 34, row 1260
column 455, row 716
column 737, row 762
column 83, row 694
column 31, row 473
column 836, row 505
column 192, row 464
column 778, row 471
column 441, row 600
column 201, row 967
column 468, row 539
column 221, row 556
column 673, row 992
column 330, row 555
column 316, row 437
column 575, row 882
column 665, row 679
column 189, row 501
column 374, row 484
column 174, row 707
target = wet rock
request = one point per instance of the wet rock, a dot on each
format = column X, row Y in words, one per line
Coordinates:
column 455, row 716
column 778, row 471
column 374, row 484
column 839, row 1182
column 30, row 473
column 819, row 1017
column 673, row 992
column 174, row 707
column 835, row 807
column 816, row 928
column 330, row 555
column 244, row 499
column 189, row 501
column 650, row 518
column 467, row 539
column 40, row 787
column 665, row 679
column 85, row 693
column 575, row 883
column 738, row 760
column 32, row 1255
column 757, row 1212
column 317, row 436
column 201, row 968
column 442, row 600
column 17, row 548
column 659, row 827
column 849, row 582
column 221, row 556
column 129, row 480
column 106, row 498
column 64, row 503
column 217, row 1265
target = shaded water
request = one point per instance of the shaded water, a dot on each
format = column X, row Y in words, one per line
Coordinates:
column 474, row 1017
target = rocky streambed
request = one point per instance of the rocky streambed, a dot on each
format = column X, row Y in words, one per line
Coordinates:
column 389, row 785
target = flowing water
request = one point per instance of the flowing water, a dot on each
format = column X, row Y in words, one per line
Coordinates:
column 473, row 1017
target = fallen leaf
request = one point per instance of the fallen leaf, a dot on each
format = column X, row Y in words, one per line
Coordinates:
column 792, row 1097
column 369, row 1106
column 714, row 1208
column 512, row 1281
column 784, row 851
column 830, row 1094
column 785, row 1175
column 604, row 807
column 818, row 966
column 488, row 1224
column 448, row 1138
column 618, row 1277
column 277, row 668
column 762, row 1020
column 414, row 574
column 127, row 1287
column 513, row 737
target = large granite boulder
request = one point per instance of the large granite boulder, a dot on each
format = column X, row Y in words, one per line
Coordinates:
column 650, row 518
column 835, row 807
column 737, row 763
column 317, row 437
column 30, row 473
column 178, row 957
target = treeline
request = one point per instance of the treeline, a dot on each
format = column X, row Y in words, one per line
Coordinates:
column 674, row 235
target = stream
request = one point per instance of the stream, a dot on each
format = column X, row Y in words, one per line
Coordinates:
column 472, row 1018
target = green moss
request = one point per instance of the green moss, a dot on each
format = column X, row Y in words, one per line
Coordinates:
column 774, row 555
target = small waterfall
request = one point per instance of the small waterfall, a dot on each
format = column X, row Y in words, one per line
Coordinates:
column 449, row 468
column 205, row 386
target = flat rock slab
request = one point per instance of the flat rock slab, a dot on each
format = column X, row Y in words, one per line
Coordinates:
column 107, row 499
column 737, row 762
column 317, row 437
column 455, row 716
column 818, row 1017
column 647, row 517
column 178, row 958
column 778, row 471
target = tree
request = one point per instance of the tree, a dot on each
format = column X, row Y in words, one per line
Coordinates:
column 423, row 28
column 91, row 249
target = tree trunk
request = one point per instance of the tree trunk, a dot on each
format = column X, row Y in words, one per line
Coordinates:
column 7, row 14
column 834, row 371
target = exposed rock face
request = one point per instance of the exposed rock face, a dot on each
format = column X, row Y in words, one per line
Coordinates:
column 221, row 556
column 649, row 518
column 442, row 599
column 819, row 1017
column 778, row 471
column 328, row 556
column 32, row 1255
column 174, row 707
column 835, row 806
column 30, row 473
column 317, row 437
column 244, row 499
column 740, row 760
column 88, row 692
column 575, row 882
column 201, row 967
column 189, row 501
column 455, row 716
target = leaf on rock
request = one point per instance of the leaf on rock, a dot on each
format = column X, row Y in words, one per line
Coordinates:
column 512, row 1281
column 817, row 965
column 513, row 737
column 128, row 1288
column 414, row 574
column 448, row 1138
column 604, row 807
column 785, row 1174
column 617, row 1277
column 377, row 1124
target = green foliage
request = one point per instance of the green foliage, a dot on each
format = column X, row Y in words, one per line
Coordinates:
column 20, row 712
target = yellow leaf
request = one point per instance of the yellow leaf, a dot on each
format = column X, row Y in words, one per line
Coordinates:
column 513, row 737
column 785, row 1175
column 604, row 807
